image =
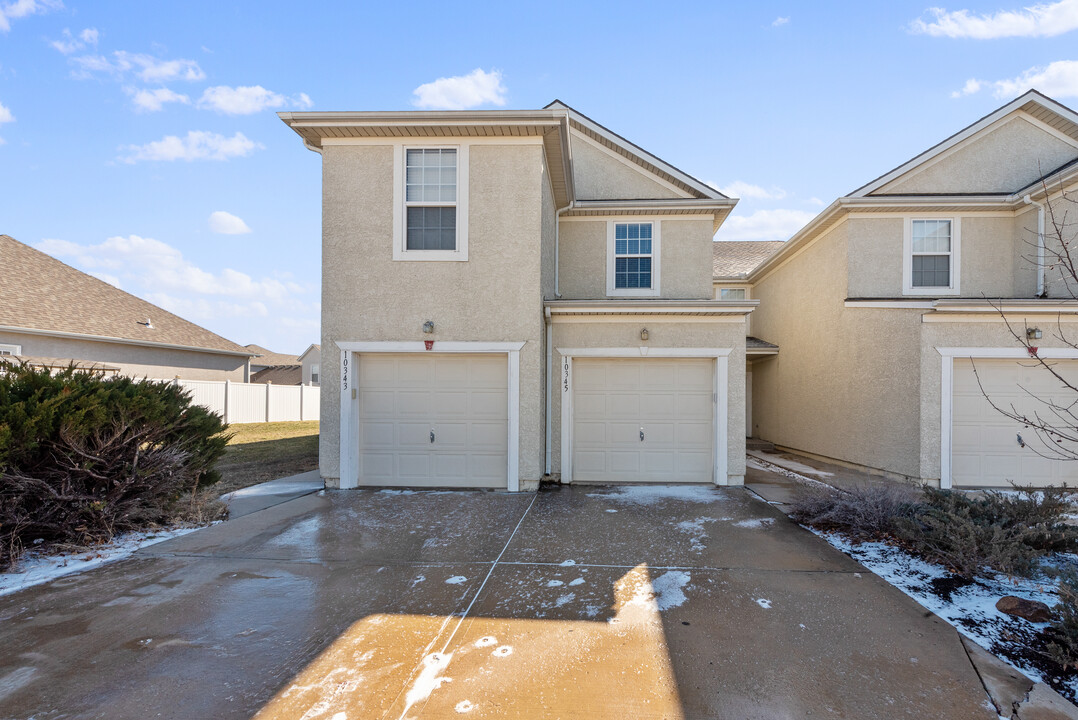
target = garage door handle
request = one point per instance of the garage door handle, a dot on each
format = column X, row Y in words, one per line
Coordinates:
column 432, row 435
column 641, row 434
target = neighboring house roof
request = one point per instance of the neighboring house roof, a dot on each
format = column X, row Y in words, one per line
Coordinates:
column 314, row 346
column 270, row 358
column 1061, row 119
column 280, row 375
column 43, row 296
column 735, row 259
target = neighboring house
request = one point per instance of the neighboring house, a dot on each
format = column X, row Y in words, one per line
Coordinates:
column 879, row 310
column 279, row 375
column 52, row 314
column 510, row 294
column 264, row 359
column 311, row 359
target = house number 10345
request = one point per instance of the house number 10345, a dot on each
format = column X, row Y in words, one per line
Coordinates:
column 565, row 375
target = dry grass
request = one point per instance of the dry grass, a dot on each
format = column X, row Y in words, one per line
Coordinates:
column 266, row 451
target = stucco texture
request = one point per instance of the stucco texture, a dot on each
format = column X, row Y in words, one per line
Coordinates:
column 134, row 360
column 598, row 176
column 685, row 248
column 845, row 382
column 665, row 335
column 1005, row 159
column 495, row 296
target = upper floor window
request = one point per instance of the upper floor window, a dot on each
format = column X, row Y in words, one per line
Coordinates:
column 430, row 199
column 10, row 349
column 431, row 203
column 314, row 373
column 732, row 294
column 632, row 258
column 930, row 265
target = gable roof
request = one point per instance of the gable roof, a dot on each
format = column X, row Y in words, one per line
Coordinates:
column 582, row 123
column 41, row 295
column 313, row 346
column 280, row 375
column 735, row 259
column 270, row 358
column 1033, row 103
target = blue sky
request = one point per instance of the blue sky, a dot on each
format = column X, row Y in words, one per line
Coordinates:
column 139, row 140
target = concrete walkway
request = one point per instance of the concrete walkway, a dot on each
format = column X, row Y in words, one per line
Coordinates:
column 259, row 497
column 578, row 602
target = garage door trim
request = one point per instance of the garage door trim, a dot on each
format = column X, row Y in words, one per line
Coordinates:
column 349, row 457
column 722, row 362
column 947, row 388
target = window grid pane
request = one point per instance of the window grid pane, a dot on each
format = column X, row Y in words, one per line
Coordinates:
column 432, row 228
column 932, row 271
column 732, row 294
column 431, row 175
column 632, row 256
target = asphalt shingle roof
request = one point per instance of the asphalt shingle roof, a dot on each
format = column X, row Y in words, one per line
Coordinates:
column 270, row 358
column 280, row 375
column 39, row 292
column 737, row 258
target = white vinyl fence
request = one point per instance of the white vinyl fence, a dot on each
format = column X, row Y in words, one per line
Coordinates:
column 240, row 402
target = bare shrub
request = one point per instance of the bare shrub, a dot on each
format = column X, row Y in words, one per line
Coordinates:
column 864, row 512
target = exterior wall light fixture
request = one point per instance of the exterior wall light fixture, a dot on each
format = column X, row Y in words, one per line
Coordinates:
column 644, row 334
column 1033, row 333
column 428, row 327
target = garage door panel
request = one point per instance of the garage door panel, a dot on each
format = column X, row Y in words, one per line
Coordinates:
column 984, row 443
column 672, row 400
column 463, row 398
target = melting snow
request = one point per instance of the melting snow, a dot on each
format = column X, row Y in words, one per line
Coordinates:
column 503, row 651
column 486, row 641
column 755, row 523
column 38, row 569
column 464, row 706
column 428, row 680
column 555, row 583
column 456, row 580
column 788, row 464
column 662, row 593
column 650, row 494
column 765, row 604
column 760, row 464
column 568, row 563
column 578, row 581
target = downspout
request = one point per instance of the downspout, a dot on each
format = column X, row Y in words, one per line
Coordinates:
column 557, row 217
column 549, row 382
column 1040, row 244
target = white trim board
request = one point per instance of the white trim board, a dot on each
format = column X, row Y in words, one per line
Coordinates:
column 954, row 256
column 400, row 207
column 947, row 356
column 349, row 438
column 655, row 256
column 720, row 468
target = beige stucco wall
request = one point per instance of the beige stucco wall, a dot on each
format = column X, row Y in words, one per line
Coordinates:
column 1005, row 160
column 994, row 256
column 685, row 248
column 494, row 296
column 598, row 176
column 134, row 360
column 314, row 357
column 845, row 382
column 666, row 335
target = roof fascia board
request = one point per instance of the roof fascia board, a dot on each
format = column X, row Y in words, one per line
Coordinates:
column 124, row 341
column 961, row 135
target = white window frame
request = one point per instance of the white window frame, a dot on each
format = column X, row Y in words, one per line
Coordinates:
column 719, row 290
column 315, row 373
column 907, row 257
column 656, row 247
column 400, row 207
column 8, row 349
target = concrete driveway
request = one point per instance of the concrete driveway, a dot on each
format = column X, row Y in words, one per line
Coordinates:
column 582, row 602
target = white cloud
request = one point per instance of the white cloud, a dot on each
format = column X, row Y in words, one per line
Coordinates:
column 815, row 201
column 764, row 225
column 227, row 224
column 197, row 145
column 779, row 21
column 6, row 116
column 462, row 91
column 245, row 100
column 1041, row 20
column 1058, row 79
column 21, row 8
column 741, row 189
column 156, row 265
column 69, row 43
column 154, row 100
column 145, row 67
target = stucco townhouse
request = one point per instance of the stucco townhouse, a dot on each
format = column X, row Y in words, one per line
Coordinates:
column 513, row 294
column 894, row 309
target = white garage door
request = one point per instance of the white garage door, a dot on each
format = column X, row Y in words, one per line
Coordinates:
column 433, row 420
column 985, row 447
column 645, row 420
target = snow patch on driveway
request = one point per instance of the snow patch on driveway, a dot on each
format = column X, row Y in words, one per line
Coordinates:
column 651, row 494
